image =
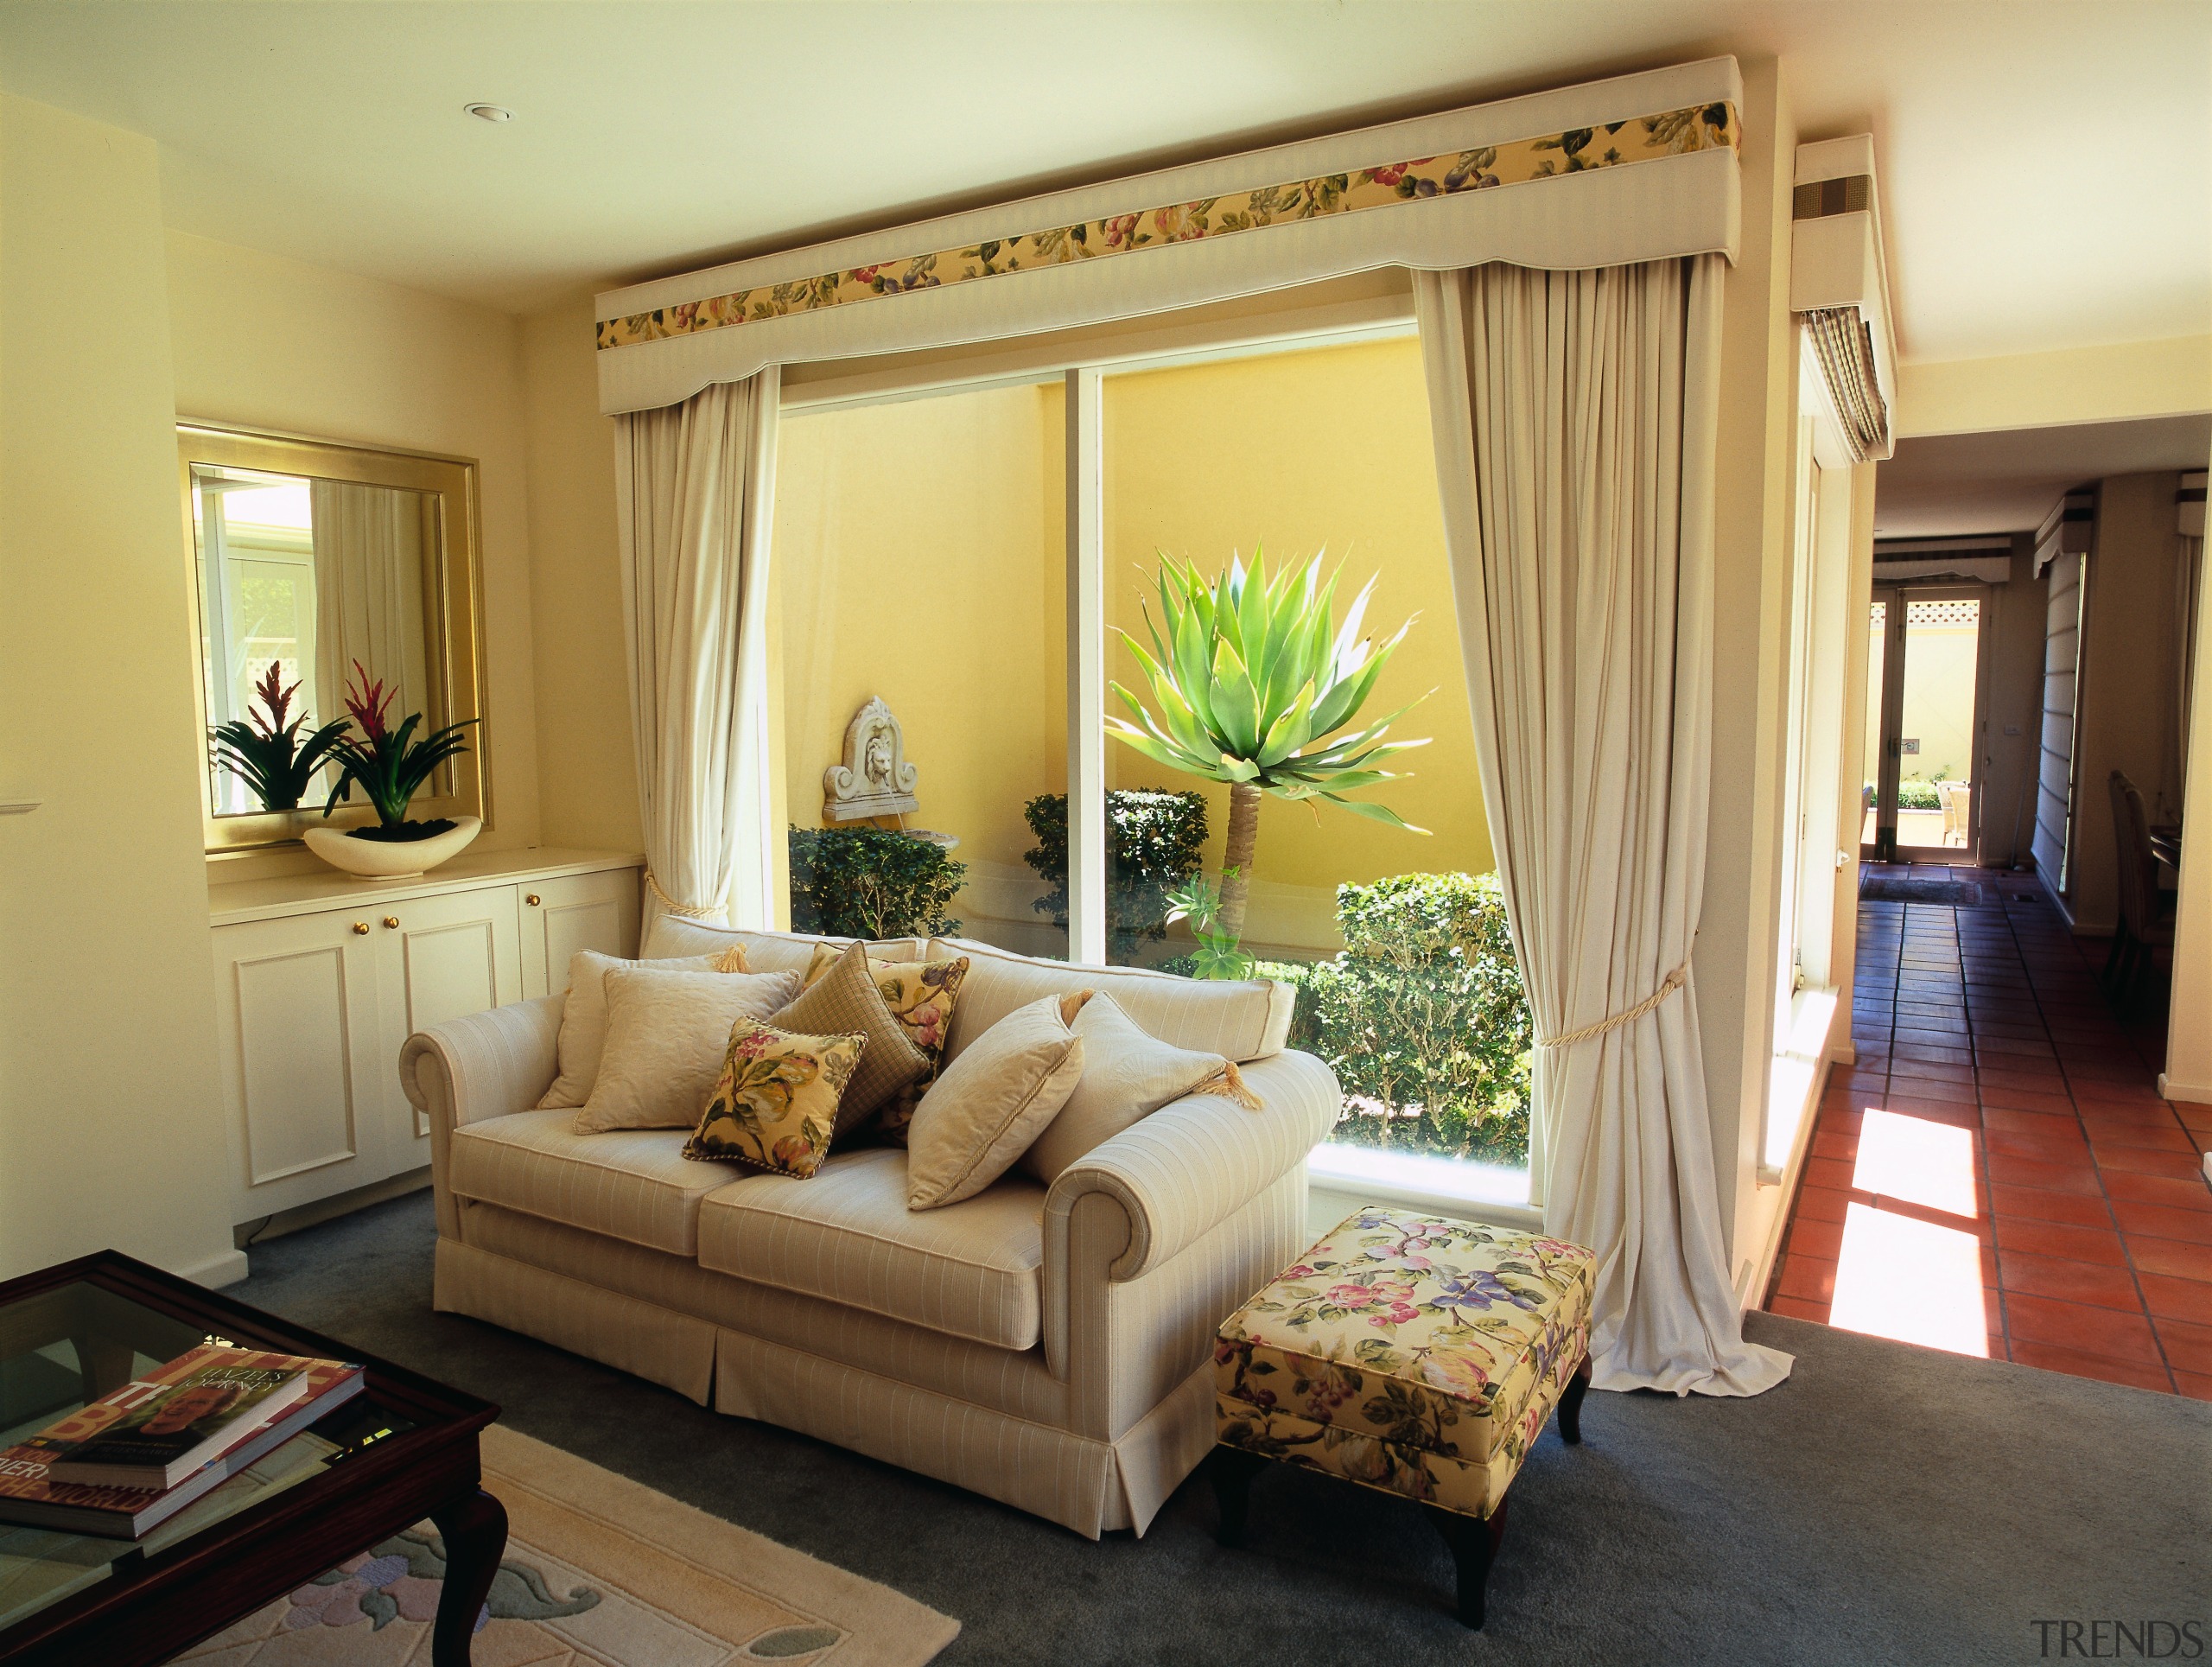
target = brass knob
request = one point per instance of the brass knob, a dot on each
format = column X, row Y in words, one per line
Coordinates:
column 530, row 898
column 391, row 923
column 360, row 929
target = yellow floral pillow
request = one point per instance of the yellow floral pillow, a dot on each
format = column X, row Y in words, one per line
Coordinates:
column 920, row 995
column 775, row 1105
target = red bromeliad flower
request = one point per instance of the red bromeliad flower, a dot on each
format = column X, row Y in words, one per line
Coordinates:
column 368, row 706
column 275, row 698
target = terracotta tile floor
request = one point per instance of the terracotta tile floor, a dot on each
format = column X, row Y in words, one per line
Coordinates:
column 1997, row 1175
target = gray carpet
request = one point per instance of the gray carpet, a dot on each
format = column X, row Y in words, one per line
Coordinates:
column 1888, row 1504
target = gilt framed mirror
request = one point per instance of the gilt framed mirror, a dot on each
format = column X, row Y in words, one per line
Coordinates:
column 317, row 568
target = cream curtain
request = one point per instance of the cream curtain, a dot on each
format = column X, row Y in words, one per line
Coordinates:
column 1574, row 416
column 368, row 588
column 695, row 484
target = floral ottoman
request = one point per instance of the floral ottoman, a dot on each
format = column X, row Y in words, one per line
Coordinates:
column 1412, row 1354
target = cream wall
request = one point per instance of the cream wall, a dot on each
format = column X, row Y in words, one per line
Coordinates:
column 2012, row 699
column 261, row 341
column 2112, row 382
column 588, row 777
column 111, row 1130
column 1297, row 452
column 2126, row 704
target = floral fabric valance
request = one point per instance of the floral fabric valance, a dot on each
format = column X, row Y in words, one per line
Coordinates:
column 1637, row 169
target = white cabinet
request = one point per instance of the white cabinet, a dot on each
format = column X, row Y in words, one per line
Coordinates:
column 319, row 979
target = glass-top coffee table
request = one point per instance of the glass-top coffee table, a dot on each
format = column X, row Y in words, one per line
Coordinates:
column 403, row 1449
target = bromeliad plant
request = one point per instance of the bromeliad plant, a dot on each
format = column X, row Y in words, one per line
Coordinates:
column 1253, row 684
column 389, row 765
column 265, row 750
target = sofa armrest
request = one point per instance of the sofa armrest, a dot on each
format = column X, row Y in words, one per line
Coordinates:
column 484, row 1064
column 1133, row 1204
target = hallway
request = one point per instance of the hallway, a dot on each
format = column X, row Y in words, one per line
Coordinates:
column 1997, row 1175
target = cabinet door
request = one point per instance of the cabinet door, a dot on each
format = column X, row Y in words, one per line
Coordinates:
column 297, row 1004
column 438, row 958
column 572, row 912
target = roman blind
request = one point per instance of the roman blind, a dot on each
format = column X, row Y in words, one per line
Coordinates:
column 2061, row 547
column 1635, row 168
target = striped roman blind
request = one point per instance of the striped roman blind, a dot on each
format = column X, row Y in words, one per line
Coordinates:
column 2061, row 543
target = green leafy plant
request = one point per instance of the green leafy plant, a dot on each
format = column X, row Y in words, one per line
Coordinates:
column 1198, row 900
column 871, row 883
column 1153, row 843
column 265, row 749
column 1253, row 684
column 389, row 765
column 1422, row 1017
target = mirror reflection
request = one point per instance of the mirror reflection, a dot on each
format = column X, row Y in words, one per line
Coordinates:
column 306, row 584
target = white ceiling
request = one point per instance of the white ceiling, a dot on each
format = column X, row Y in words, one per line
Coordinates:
column 1946, row 484
column 2046, row 167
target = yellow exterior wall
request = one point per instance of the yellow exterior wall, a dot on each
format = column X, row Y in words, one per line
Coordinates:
column 1296, row 452
column 920, row 556
column 911, row 562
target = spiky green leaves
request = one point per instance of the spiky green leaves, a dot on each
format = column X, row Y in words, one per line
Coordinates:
column 1250, row 677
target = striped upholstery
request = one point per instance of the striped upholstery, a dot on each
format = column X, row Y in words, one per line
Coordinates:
column 1009, row 1381
column 631, row 1183
column 765, row 952
column 869, row 1336
column 969, row 1270
column 1239, row 1020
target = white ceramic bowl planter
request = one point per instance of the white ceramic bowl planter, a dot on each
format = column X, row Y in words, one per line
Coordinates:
column 392, row 859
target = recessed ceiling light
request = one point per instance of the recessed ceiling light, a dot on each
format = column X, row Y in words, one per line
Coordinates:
column 490, row 112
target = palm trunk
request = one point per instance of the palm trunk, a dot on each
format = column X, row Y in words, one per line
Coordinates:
column 1236, row 860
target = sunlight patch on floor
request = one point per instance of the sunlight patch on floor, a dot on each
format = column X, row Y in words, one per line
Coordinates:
column 1917, row 1162
column 1901, row 1277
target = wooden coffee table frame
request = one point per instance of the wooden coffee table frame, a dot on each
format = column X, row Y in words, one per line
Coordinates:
column 148, row 1609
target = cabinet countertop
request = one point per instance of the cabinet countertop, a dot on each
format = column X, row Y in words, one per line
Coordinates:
column 234, row 902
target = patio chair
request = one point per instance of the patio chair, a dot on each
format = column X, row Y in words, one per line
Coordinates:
column 1957, row 799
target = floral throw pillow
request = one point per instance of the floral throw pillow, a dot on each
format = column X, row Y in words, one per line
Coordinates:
column 920, row 995
column 775, row 1105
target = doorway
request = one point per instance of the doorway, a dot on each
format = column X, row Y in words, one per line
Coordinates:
column 1924, row 688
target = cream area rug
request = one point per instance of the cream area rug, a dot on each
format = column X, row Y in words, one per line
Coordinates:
column 600, row 1571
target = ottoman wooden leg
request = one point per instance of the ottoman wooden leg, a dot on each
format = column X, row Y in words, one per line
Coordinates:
column 1474, row 1541
column 1570, row 1404
column 1231, row 1470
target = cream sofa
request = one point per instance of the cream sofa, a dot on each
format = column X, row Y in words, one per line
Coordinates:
column 1051, row 1349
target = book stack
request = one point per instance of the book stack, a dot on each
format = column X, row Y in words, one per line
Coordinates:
column 137, row 1456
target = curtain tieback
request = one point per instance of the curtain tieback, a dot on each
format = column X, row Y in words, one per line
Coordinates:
column 1673, row 982
column 671, row 905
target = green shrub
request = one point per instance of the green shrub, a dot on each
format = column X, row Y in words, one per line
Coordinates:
column 1421, row 1017
column 1153, row 842
column 1915, row 796
column 871, row 883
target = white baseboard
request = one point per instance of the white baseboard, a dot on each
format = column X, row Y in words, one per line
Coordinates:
column 217, row 1271
column 2194, row 1093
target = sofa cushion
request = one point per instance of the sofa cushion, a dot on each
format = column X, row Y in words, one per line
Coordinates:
column 845, row 1002
column 775, row 1104
column 765, row 952
column 634, row 1183
column 666, row 1033
column 972, row 1269
column 1240, row 1018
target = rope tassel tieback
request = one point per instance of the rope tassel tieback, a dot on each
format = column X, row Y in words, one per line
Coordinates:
column 674, row 907
column 1673, row 982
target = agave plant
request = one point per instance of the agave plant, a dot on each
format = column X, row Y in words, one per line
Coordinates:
column 264, row 748
column 1253, row 684
column 388, row 765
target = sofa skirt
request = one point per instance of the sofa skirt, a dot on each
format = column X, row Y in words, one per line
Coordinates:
column 1081, row 1482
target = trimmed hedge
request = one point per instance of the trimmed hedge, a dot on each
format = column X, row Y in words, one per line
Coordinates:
column 871, row 883
column 1153, row 843
column 1422, row 1017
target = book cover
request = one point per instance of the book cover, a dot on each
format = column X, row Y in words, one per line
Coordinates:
column 30, row 1494
column 163, row 1433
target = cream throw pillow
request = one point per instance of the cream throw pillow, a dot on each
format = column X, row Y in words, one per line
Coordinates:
column 1127, row 1074
column 989, row 1103
column 666, row 1035
column 583, row 1020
